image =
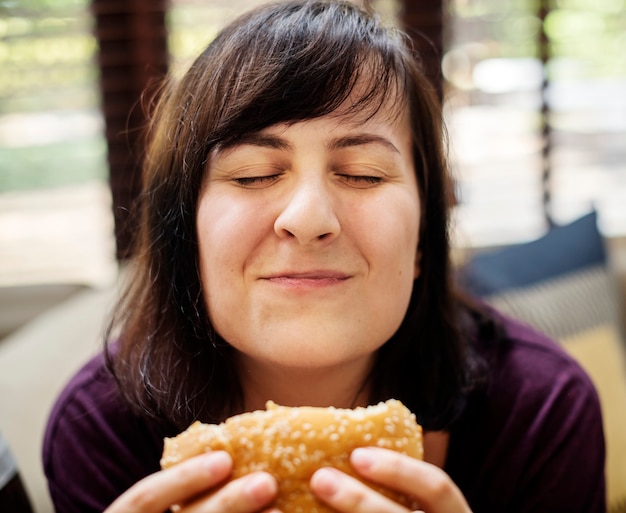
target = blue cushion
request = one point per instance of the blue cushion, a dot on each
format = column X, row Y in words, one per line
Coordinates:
column 564, row 249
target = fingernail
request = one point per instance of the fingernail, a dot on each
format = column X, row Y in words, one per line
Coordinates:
column 362, row 458
column 325, row 481
column 261, row 487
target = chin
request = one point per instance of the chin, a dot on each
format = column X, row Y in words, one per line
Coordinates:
column 309, row 345
column 315, row 356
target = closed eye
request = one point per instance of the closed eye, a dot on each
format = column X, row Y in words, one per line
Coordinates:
column 361, row 180
column 256, row 181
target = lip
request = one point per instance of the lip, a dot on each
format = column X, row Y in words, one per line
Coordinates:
column 308, row 279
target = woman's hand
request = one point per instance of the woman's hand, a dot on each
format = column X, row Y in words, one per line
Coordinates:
column 431, row 487
column 188, row 484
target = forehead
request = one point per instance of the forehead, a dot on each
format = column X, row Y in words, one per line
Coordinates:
column 387, row 127
column 365, row 108
column 388, row 117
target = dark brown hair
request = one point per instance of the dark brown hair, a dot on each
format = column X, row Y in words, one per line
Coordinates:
column 287, row 62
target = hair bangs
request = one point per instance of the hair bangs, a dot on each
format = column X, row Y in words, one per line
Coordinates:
column 302, row 64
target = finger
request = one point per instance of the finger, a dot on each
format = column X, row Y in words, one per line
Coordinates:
column 432, row 487
column 349, row 495
column 157, row 492
column 244, row 495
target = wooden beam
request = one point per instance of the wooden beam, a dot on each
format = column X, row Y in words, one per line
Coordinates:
column 133, row 58
column 424, row 20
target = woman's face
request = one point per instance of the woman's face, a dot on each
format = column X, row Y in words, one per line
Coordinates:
column 308, row 239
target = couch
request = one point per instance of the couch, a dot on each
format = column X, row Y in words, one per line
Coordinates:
column 565, row 285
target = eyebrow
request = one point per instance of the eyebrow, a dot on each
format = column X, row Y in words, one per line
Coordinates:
column 263, row 141
column 349, row 141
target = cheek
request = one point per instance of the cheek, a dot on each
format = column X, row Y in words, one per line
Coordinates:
column 232, row 236
column 391, row 232
column 219, row 239
column 227, row 234
column 398, row 277
column 389, row 239
column 226, row 228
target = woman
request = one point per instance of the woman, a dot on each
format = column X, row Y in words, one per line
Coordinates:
column 294, row 247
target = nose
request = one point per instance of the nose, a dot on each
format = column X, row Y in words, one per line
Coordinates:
column 309, row 214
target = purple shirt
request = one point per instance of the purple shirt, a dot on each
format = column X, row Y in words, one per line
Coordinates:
column 530, row 441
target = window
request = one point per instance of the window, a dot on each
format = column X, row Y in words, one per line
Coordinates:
column 55, row 221
column 494, row 71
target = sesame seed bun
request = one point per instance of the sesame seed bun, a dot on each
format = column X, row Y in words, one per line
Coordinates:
column 292, row 443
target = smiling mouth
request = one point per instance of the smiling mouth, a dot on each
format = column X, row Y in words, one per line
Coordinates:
column 308, row 280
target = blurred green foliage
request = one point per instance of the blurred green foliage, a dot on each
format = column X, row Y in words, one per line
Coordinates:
column 191, row 28
column 46, row 46
column 590, row 32
column 31, row 5
column 47, row 69
column 52, row 165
